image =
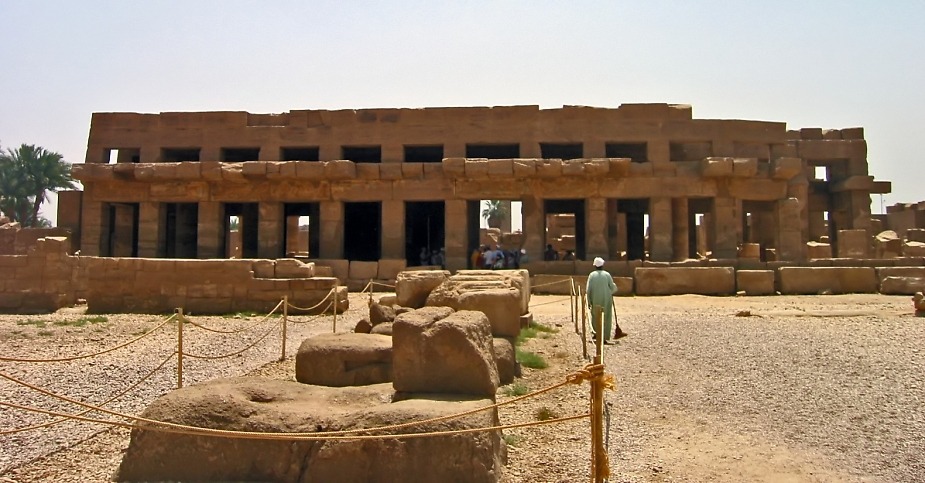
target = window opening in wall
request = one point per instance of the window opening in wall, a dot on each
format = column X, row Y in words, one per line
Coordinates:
column 240, row 155
column 176, row 155
column 241, row 230
column 122, row 155
column 362, row 154
column 562, row 150
column 493, row 151
column 181, row 229
column 699, row 237
column 690, row 151
column 302, row 229
column 295, row 153
column 636, row 152
column 564, row 230
column 821, row 173
column 636, row 213
column 425, row 233
column 362, row 231
column 424, row 154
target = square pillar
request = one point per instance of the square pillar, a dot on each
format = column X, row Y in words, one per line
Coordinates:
column 660, row 231
column 457, row 234
column 393, row 229
column 596, row 228
column 534, row 226
column 211, row 236
column 92, row 220
column 790, row 246
column 270, row 230
column 725, row 223
column 680, row 229
column 332, row 230
column 269, row 152
column 149, row 229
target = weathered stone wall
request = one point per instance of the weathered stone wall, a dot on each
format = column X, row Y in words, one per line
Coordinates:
column 47, row 278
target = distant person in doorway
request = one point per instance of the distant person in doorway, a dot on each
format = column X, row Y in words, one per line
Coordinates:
column 424, row 257
column 550, row 255
column 569, row 255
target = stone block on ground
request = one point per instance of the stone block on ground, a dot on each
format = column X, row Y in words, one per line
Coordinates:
column 827, row 280
column 755, row 282
column 506, row 359
column 351, row 359
column 685, row 280
column 379, row 313
column 413, row 287
column 438, row 351
column 902, row 285
column 255, row 404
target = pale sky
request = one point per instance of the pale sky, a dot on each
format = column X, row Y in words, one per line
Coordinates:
column 814, row 63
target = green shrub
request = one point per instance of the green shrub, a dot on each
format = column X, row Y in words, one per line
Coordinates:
column 516, row 389
column 35, row 323
column 512, row 439
column 531, row 360
column 545, row 414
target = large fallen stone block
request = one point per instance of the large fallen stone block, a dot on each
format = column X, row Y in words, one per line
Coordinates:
column 902, row 285
column 506, row 360
column 502, row 295
column 262, row 405
column 351, row 359
column 438, row 351
column 685, row 280
column 412, row 287
column 755, row 282
column 827, row 280
column 913, row 249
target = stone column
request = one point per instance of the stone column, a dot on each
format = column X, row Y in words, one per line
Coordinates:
column 393, row 229
column 393, row 153
column 149, row 227
column 790, row 246
column 270, row 230
column 725, row 222
column 660, row 231
column 124, row 227
column 457, row 234
column 332, row 230
column 798, row 188
column 614, row 231
column 269, row 152
column 211, row 234
column 596, row 228
column 506, row 220
column 92, row 220
column 534, row 221
column 149, row 153
column 680, row 229
column 210, row 153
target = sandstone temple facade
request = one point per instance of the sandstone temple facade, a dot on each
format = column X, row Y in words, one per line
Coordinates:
column 641, row 181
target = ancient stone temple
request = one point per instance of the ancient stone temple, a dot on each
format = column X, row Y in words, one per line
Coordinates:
column 376, row 186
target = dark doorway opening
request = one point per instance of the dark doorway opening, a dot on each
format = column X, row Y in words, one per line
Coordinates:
column 362, row 231
column 424, row 154
column 473, row 227
column 637, row 212
column 493, row 151
column 562, row 150
column 425, row 228
column 181, row 230
column 308, row 153
column 120, row 237
column 240, row 155
column 636, row 152
column 363, row 154
column 176, row 155
column 576, row 210
column 241, row 222
column 302, row 229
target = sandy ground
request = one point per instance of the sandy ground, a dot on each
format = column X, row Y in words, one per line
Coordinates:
column 728, row 389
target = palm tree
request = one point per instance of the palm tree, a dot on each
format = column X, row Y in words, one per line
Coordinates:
column 495, row 212
column 26, row 174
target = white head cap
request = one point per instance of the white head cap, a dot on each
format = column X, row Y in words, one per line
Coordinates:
column 598, row 262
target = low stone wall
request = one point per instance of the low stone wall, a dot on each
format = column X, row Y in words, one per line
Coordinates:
column 677, row 280
column 47, row 278
column 827, row 280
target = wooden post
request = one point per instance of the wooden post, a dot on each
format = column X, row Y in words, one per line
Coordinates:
column 370, row 292
column 574, row 302
column 282, row 355
column 334, row 329
column 180, row 320
column 584, row 325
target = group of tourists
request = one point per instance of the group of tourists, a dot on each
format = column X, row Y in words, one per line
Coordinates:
column 551, row 254
column 436, row 258
column 498, row 258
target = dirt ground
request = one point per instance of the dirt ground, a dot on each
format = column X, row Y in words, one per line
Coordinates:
column 724, row 389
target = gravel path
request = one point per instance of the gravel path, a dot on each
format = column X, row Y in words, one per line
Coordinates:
column 826, row 388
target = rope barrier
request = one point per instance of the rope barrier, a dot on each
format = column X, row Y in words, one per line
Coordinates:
column 330, row 294
column 113, row 398
column 236, row 331
column 313, row 317
column 551, row 302
column 87, row 356
column 259, row 340
column 556, row 282
column 589, row 373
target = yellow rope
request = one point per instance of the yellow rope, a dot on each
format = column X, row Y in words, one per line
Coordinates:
column 564, row 280
column 551, row 302
column 86, row 356
column 322, row 314
column 260, row 339
column 330, row 292
column 117, row 396
column 571, row 379
column 236, row 331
